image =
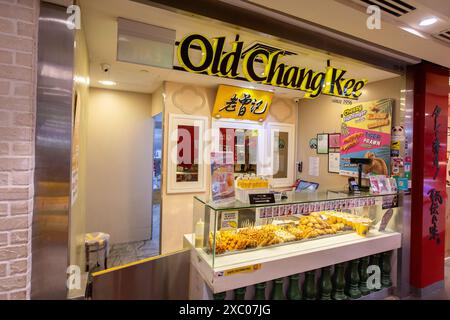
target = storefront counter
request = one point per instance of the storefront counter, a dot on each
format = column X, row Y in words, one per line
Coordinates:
column 248, row 268
column 230, row 250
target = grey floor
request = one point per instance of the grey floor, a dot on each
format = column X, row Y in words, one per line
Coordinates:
column 443, row 294
column 124, row 253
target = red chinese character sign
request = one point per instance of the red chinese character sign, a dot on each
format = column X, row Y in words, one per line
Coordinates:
column 242, row 103
column 428, row 197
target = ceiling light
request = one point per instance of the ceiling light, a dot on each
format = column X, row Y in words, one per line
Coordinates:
column 414, row 32
column 428, row 21
column 81, row 80
column 107, row 82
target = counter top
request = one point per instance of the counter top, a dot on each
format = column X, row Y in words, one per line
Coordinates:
column 293, row 198
column 277, row 262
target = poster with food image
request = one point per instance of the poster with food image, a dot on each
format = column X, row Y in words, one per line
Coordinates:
column 366, row 133
column 222, row 177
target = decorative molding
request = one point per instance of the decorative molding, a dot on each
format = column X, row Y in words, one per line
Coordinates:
column 178, row 101
column 281, row 110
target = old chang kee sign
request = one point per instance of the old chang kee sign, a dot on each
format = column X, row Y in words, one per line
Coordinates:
column 216, row 62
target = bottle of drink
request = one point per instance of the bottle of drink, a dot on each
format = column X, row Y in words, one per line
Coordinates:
column 294, row 292
column 199, row 229
column 277, row 290
column 260, row 291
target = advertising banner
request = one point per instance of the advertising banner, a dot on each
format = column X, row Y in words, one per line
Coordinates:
column 222, row 177
column 366, row 133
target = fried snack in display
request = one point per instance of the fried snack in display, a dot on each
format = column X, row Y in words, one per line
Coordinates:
column 307, row 227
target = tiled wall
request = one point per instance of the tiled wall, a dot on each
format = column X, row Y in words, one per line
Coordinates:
column 18, row 55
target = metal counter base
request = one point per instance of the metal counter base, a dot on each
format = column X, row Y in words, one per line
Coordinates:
column 248, row 268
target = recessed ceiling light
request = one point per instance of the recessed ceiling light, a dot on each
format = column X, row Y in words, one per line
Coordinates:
column 107, row 82
column 414, row 32
column 428, row 21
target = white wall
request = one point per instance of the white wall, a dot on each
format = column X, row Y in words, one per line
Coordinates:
column 119, row 166
column 177, row 209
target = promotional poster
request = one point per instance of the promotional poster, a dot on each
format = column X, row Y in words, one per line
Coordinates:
column 222, row 176
column 366, row 133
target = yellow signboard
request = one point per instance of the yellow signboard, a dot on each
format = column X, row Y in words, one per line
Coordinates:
column 236, row 63
column 241, row 103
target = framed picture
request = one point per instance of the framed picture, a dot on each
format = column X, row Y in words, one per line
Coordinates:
column 322, row 143
column 334, row 140
column 186, row 168
column 333, row 162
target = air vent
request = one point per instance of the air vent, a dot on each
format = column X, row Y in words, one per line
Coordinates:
column 443, row 36
column 396, row 8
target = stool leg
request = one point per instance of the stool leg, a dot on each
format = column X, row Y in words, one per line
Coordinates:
column 86, row 248
column 106, row 262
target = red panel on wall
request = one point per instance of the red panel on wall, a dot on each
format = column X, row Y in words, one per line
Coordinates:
column 429, row 174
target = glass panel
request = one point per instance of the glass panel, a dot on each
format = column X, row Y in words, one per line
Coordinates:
column 280, row 152
column 187, row 153
column 294, row 198
column 244, row 145
column 304, row 217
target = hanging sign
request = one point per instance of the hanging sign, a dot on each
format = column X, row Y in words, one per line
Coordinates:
column 241, row 103
column 215, row 61
column 366, row 133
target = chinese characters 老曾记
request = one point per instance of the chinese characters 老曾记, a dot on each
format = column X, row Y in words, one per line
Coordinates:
column 245, row 102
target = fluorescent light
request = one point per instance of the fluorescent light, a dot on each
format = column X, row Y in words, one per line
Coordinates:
column 82, row 80
column 428, row 21
column 414, row 32
column 107, row 82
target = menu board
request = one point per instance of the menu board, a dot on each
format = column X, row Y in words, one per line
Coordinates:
column 366, row 133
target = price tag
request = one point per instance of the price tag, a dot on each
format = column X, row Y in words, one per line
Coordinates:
column 261, row 198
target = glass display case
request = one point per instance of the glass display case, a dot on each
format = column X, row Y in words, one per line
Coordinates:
column 225, row 230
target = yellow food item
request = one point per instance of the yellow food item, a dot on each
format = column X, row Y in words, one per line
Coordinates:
column 307, row 227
